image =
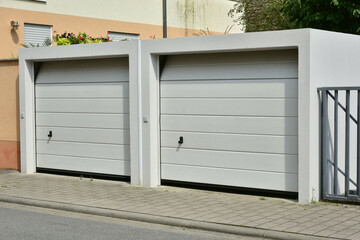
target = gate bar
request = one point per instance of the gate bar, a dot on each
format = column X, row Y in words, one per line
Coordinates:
column 324, row 141
column 347, row 144
column 336, row 142
column 358, row 143
column 342, row 172
column 343, row 108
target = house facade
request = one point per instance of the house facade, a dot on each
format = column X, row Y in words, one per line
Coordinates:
column 32, row 22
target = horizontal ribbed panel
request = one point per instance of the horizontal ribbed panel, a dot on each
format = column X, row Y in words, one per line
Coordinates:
column 116, row 37
column 85, row 104
column 238, row 116
column 36, row 34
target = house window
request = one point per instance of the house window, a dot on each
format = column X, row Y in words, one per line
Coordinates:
column 37, row 35
column 116, row 36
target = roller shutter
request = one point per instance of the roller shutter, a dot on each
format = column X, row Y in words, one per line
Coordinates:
column 36, row 35
column 117, row 37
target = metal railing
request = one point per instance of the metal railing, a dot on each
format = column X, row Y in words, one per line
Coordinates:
column 340, row 143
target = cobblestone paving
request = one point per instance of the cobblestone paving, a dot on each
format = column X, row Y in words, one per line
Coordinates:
column 326, row 220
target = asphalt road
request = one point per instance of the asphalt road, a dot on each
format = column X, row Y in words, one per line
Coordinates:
column 18, row 222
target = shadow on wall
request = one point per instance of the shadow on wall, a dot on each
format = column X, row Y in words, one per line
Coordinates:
column 14, row 36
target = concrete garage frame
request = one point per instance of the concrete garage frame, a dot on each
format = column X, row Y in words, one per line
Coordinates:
column 28, row 58
column 325, row 59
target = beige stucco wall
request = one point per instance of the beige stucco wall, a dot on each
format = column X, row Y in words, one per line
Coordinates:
column 189, row 14
column 201, row 14
column 9, row 115
column 140, row 11
column 9, row 83
column 12, row 39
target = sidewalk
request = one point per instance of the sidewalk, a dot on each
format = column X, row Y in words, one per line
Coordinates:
column 224, row 212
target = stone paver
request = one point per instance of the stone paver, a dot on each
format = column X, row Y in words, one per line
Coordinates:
column 324, row 220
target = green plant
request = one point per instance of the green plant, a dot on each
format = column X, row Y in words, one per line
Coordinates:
column 81, row 38
column 313, row 201
column 207, row 32
column 203, row 33
column 228, row 29
column 262, row 198
column 333, row 15
column 266, row 15
column 46, row 43
column 260, row 15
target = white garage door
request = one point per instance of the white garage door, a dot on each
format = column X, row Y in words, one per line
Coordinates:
column 84, row 105
column 237, row 115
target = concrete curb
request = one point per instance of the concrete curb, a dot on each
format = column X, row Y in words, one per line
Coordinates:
column 214, row 227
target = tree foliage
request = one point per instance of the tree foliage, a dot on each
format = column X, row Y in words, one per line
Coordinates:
column 265, row 15
column 260, row 15
column 333, row 15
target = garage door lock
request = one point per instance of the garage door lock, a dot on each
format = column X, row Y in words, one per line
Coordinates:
column 181, row 140
column 50, row 134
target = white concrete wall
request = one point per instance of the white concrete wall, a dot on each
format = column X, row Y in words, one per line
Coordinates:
column 292, row 39
column 325, row 59
column 75, row 52
column 335, row 61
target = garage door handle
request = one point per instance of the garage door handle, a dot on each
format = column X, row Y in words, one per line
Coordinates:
column 50, row 134
column 181, row 140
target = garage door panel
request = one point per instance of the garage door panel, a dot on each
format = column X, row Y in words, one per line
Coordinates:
column 98, row 165
column 83, row 105
column 111, row 136
column 89, row 75
column 107, row 151
column 231, row 142
column 232, row 160
column 238, row 178
column 231, row 71
column 79, row 90
column 99, row 70
column 227, row 124
column 84, row 64
column 87, row 120
column 230, row 107
column 238, row 116
column 264, row 88
column 266, row 56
